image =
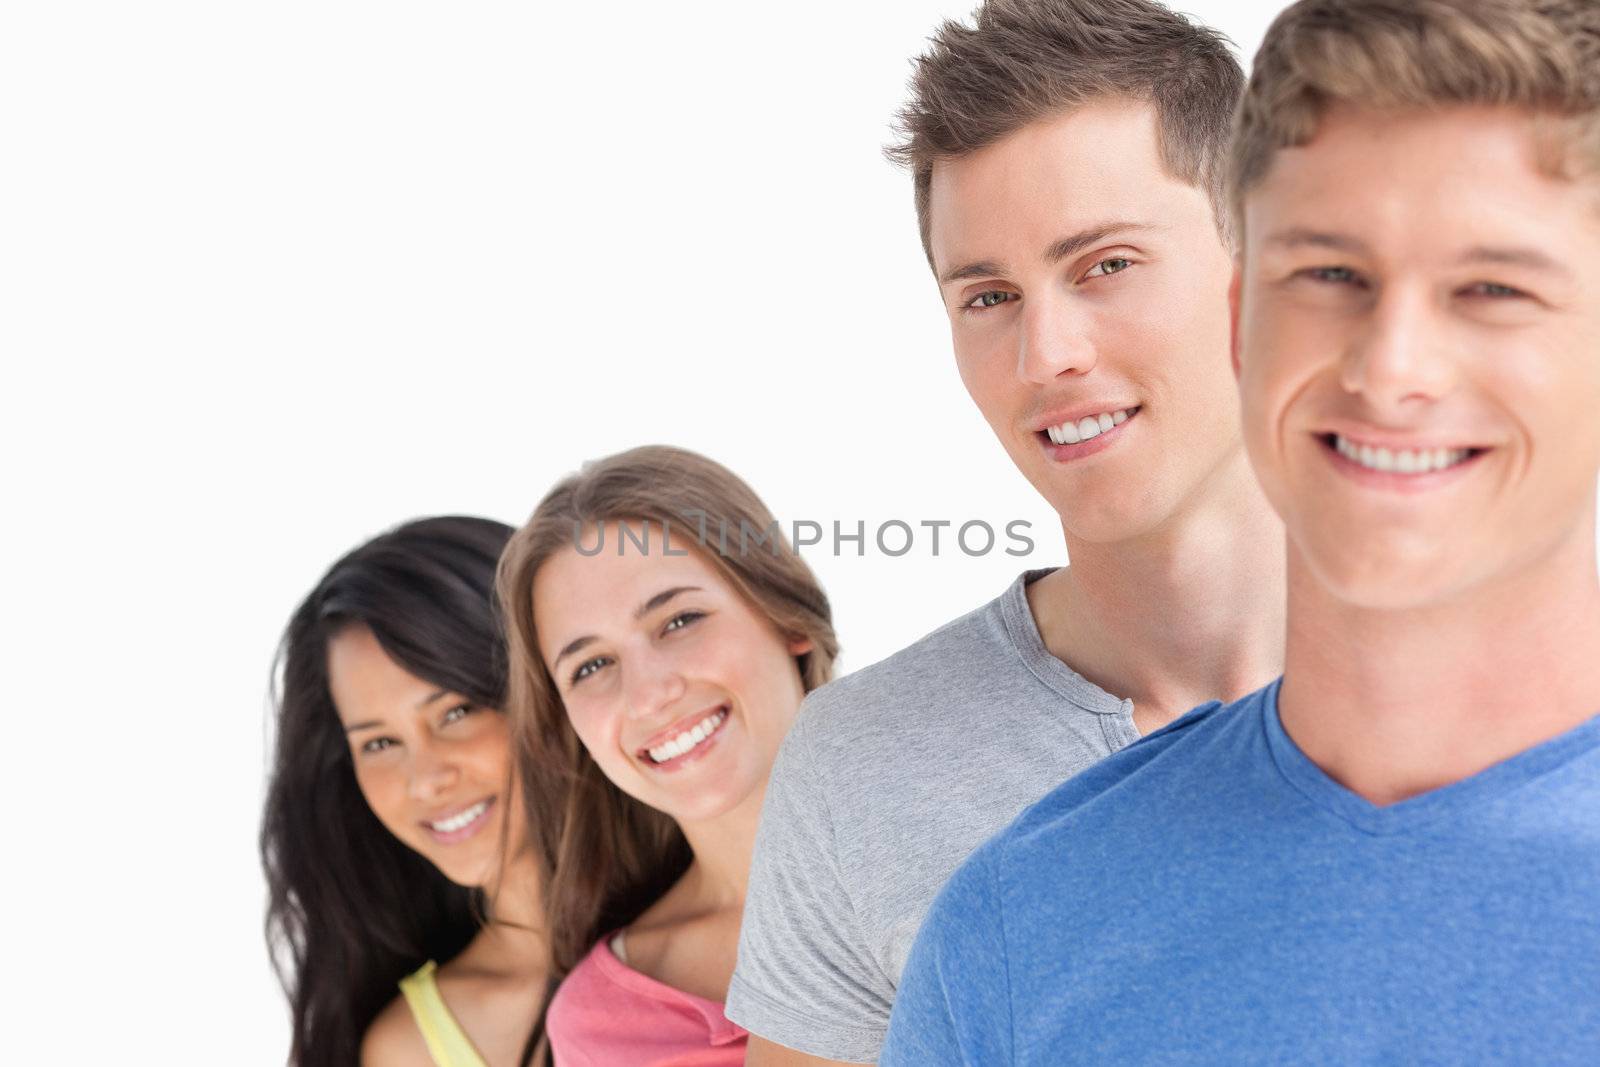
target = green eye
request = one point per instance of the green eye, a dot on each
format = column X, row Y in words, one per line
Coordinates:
column 993, row 298
column 378, row 744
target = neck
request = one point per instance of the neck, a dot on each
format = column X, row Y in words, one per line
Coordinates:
column 722, row 847
column 516, row 904
column 1393, row 703
column 1189, row 612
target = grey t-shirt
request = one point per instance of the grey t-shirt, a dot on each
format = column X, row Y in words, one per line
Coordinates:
column 889, row 778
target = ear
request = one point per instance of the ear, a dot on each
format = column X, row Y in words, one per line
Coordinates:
column 1234, row 285
column 799, row 646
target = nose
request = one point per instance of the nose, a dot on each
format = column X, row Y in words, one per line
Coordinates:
column 652, row 684
column 1401, row 358
column 433, row 773
column 1053, row 340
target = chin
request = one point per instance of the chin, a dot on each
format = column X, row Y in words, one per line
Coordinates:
column 706, row 806
column 1092, row 519
column 1384, row 575
column 468, row 875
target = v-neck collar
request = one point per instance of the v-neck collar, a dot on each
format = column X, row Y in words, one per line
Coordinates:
column 1493, row 781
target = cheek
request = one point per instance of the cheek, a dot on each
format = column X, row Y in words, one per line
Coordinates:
column 777, row 687
column 489, row 753
column 1275, row 363
column 597, row 729
column 1552, row 404
column 384, row 789
column 1265, row 393
column 1184, row 308
column 1161, row 333
column 979, row 362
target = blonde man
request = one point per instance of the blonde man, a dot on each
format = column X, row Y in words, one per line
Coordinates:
column 1393, row 854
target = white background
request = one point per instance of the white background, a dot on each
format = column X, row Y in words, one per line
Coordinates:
column 277, row 276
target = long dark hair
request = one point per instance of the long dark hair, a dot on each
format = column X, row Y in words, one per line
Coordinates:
column 352, row 910
column 606, row 855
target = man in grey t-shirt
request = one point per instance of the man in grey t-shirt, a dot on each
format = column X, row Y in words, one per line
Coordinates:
column 1066, row 156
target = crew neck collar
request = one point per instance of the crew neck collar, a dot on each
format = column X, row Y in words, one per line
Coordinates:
column 1023, row 629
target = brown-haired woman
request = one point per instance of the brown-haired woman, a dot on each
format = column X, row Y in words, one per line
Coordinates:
column 658, row 665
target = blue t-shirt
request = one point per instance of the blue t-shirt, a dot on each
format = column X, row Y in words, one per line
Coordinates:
column 1209, row 895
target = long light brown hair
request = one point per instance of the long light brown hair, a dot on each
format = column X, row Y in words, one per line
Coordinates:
column 608, row 856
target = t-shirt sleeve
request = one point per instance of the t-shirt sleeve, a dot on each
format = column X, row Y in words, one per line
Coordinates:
column 954, row 1005
column 806, row 977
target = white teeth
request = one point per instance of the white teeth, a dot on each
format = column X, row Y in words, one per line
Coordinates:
column 1070, row 433
column 1400, row 461
column 683, row 742
column 1065, row 434
column 462, row 820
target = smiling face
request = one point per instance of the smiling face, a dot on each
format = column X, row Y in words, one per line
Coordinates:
column 680, row 690
column 1087, row 295
column 434, row 767
column 1419, row 351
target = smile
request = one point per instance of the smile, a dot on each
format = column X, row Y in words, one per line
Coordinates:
column 462, row 824
column 1403, row 461
column 689, row 740
column 1088, row 427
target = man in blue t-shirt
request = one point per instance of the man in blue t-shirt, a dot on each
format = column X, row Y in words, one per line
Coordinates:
column 1393, row 854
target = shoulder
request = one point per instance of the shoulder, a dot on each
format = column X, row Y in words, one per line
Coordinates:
column 880, row 699
column 1079, row 829
column 581, row 987
column 393, row 1039
column 588, row 1004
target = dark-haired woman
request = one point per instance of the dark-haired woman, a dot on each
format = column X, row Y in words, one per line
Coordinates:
column 395, row 836
column 662, row 679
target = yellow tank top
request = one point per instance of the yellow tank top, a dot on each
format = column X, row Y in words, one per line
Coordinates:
column 447, row 1043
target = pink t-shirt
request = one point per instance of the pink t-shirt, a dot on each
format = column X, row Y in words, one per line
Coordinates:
column 606, row 1014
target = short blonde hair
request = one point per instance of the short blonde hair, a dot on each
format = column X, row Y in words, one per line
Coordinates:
column 1542, row 55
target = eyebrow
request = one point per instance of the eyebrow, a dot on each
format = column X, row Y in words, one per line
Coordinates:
column 1494, row 255
column 1059, row 250
column 1071, row 246
column 424, row 702
column 644, row 609
column 1300, row 237
column 661, row 598
column 1531, row 258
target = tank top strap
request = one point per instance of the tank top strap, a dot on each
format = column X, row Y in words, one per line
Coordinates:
column 447, row 1043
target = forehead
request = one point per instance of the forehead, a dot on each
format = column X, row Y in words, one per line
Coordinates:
column 592, row 593
column 1423, row 182
column 1083, row 167
column 365, row 680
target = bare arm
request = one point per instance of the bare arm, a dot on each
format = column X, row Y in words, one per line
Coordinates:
column 762, row 1053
